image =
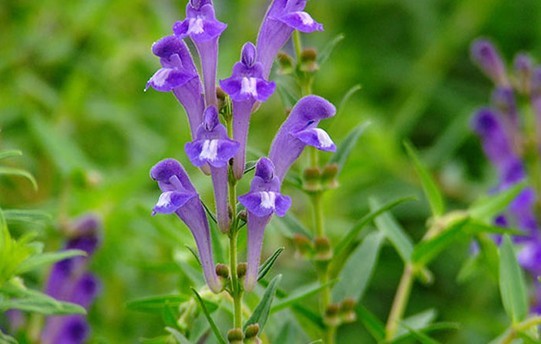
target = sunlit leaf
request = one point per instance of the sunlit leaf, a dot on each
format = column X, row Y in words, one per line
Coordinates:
column 11, row 171
column 433, row 194
column 371, row 323
column 39, row 260
column 261, row 312
column 326, row 52
column 512, row 285
column 211, row 322
column 427, row 250
column 10, row 153
column 154, row 304
column 488, row 207
column 300, row 294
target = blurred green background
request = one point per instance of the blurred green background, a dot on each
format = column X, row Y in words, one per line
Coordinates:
column 71, row 98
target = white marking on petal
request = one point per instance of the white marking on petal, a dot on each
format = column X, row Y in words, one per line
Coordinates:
column 305, row 18
column 195, row 25
column 248, row 86
column 209, row 150
column 323, row 138
column 164, row 200
column 268, row 199
column 159, row 78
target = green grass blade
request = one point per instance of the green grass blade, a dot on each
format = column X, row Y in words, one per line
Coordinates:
column 11, row 171
column 512, row 285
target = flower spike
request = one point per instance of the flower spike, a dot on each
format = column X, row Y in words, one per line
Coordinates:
column 261, row 202
column 179, row 196
column 178, row 74
column 212, row 146
column 281, row 19
column 246, row 86
column 204, row 29
column 299, row 130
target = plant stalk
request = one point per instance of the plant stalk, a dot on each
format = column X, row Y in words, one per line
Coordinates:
column 400, row 302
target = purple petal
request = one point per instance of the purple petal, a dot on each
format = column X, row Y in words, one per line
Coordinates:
column 487, row 57
column 170, row 201
column 167, row 46
column 220, row 186
column 316, row 137
column 210, row 118
column 89, row 224
column 85, row 290
column 264, row 169
column 264, row 203
column 264, row 90
column 214, row 152
column 166, row 79
column 301, row 21
column 232, row 87
column 256, row 229
column 74, row 330
column 171, row 176
column 241, row 122
column 282, row 205
column 248, row 55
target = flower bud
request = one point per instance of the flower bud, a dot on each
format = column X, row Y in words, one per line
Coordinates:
column 523, row 69
column 309, row 60
column 285, row 63
column 241, row 270
column 323, row 249
column 347, row 310
column 222, row 271
column 222, row 100
column 312, row 179
column 303, row 245
column 235, row 336
column 251, row 331
column 328, row 176
column 332, row 317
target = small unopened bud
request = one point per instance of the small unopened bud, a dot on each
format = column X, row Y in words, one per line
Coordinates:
column 347, row 310
column 523, row 68
column 323, row 249
column 251, row 331
column 312, row 179
column 332, row 317
column 243, row 215
column 235, row 336
column 241, row 270
column 286, row 63
column 328, row 176
column 309, row 60
column 488, row 59
column 303, row 245
column 222, row 271
column 222, row 99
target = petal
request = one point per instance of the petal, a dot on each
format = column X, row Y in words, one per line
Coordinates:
column 282, row 205
column 261, row 203
column 215, row 152
column 264, row 169
column 248, row 55
column 167, row 46
column 170, row 201
column 232, row 87
column 264, row 89
column 316, row 137
column 166, row 79
column 301, row 21
column 171, row 176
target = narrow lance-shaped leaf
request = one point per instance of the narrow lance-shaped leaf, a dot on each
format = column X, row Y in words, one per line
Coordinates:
column 326, row 52
column 10, row 153
column 10, row 171
column 344, row 149
column 154, row 304
column 261, row 312
column 300, row 294
column 211, row 322
column 346, row 98
column 352, row 234
column 354, row 277
column 429, row 186
column 512, row 285
column 179, row 337
column 394, row 233
column 371, row 323
column 293, row 226
column 267, row 265
column 487, row 208
column 39, row 260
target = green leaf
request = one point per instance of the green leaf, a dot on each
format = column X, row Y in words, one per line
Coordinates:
column 300, row 294
column 37, row 302
column 39, row 260
column 154, row 304
column 10, row 153
column 352, row 234
column 267, row 265
column 5, row 339
column 393, row 232
column 293, row 226
column 418, row 321
column 371, row 323
column 512, row 285
column 179, row 337
column 326, row 52
column 427, row 250
column 26, row 216
column 486, row 208
column 354, row 277
column 344, row 149
column 420, row 336
column 430, row 188
column 11, row 171
column 346, row 98
column 211, row 322
column 261, row 312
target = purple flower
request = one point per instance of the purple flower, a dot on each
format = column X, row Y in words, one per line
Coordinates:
column 488, row 59
column 498, row 146
column 180, row 197
column 261, row 202
column 69, row 281
column 523, row 67
column 178, row 74
column 282, row 17
column 246, row 86
column 299, row 130
column 212, row 146
column 204, row 29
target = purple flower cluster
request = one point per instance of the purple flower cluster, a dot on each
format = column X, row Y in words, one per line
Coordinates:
column 508, row 141
column 212, row 149
column 71, row 281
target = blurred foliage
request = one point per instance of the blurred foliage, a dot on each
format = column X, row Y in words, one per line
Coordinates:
column 72, row 100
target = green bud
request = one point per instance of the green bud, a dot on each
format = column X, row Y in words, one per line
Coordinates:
column 235, row 336
column 309, row 60
column 222, row 271
column 251, row 331
column 328, row 176
column 285, row 63
column 323, row 249
column 332, row 317
column 241, row 270
column 303, row 245
column 347, row 310
column 312, row 179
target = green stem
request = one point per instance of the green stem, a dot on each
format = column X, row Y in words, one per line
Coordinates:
column 520, row 327
column 236, row 291
column 318, row 214
column 400, row 302
column 298, row 45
